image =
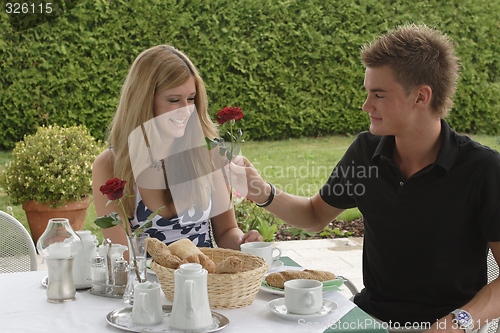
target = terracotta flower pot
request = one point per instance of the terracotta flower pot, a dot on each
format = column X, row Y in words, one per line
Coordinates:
column 38, row 215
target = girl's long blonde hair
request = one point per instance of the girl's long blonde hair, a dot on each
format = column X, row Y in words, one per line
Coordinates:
column 153, row 71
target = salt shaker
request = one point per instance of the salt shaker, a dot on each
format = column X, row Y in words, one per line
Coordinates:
column 120, row 274
column 99, row 275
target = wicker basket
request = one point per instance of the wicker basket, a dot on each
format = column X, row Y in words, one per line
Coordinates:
column 225, row 291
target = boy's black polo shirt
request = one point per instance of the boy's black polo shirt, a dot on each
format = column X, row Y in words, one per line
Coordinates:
column 426, row 238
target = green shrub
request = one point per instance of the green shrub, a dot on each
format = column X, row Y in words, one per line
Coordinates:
column 292, row 66
column 251, row 217
column 52, row 166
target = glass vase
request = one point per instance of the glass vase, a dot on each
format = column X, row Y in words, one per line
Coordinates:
column 132, row 281
column 137, row 245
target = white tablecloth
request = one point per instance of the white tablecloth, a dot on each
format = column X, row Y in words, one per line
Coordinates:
column 24, row 309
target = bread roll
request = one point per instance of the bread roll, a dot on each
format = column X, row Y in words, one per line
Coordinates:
column 278, row 279
column 194, row 259
column 180, row 252
column 160, row 253
column 230, row 265
column 201, row 259
column 207, row 263
column 184, row 248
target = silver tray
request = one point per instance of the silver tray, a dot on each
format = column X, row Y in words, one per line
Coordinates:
column 108, row 289
column 121, row 319
column 107, row 293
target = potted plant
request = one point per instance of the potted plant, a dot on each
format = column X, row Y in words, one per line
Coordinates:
column 50, row 175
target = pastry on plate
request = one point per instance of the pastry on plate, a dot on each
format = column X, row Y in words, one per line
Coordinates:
column 278, row 279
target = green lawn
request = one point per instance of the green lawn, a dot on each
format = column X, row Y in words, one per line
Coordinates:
column 299, row 166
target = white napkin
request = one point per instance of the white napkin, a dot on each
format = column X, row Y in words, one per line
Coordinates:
column 258, row 318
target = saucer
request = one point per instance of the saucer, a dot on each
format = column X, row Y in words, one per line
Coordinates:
column 275, row 265
column 277, row 306
column 45, row 283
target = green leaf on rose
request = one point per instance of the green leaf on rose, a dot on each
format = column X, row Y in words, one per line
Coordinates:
column 108, row 221
column 223, row 151
column 242, row 137
column 211, row 144
column 235, row 150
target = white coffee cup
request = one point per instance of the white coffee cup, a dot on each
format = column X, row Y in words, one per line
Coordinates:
column 265, row 250
column 303, row 296
column 147, row 309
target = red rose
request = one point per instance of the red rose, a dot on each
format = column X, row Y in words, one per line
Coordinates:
column 229, row 113
column 113, row 188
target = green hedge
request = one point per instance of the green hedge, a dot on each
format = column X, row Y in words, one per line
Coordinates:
column 292, row 65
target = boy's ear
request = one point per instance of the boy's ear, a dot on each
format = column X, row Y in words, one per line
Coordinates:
column 424, row 94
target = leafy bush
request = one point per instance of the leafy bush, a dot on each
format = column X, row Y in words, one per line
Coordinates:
column 251, row 217
column 293, row 68
column 52, row 166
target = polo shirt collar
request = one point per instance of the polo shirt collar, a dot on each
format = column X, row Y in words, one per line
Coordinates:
column 446, row 156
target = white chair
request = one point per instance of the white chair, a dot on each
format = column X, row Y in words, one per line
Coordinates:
column 350, row 285
column 17, row 250
column 493, row 272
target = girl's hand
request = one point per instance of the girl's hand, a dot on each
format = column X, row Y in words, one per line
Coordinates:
column 252, row 236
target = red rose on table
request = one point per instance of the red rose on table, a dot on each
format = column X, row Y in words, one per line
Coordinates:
column 113, row 188
column 229, row 113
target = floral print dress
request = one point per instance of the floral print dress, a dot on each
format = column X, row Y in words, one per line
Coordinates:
column 190, row 223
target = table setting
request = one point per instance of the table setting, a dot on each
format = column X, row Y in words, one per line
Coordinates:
column 25, row 309
column 229, row 295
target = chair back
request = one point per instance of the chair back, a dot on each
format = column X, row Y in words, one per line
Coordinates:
column 493, row 272
column 17, row 250
column 492, row 267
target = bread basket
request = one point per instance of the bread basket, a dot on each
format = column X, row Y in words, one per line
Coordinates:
column 225, row 291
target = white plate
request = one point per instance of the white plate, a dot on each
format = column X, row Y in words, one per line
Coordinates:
column 275, row 265
column 121, row 319
column 266, row 288
column 277, row 306
column 281, row 292
column 45, row 283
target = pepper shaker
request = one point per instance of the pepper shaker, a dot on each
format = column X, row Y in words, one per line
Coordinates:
column 120, row 274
